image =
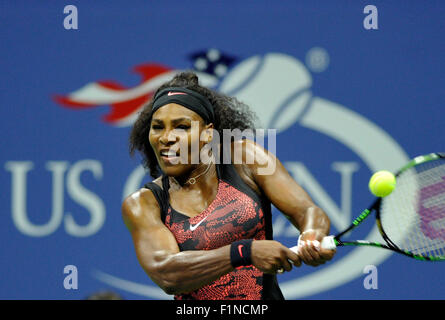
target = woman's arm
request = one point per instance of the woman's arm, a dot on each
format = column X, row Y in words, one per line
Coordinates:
column 181, row 272
column 158, row 252
column 289, row 197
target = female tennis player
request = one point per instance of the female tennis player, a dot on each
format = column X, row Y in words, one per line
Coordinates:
column 203, row 229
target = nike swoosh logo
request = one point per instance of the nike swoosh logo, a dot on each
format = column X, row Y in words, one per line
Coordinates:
column 193, row 227
column 175, row 93
column 240, row 250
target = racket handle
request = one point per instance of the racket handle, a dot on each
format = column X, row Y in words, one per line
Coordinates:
column 295, row 249
column 328, row 243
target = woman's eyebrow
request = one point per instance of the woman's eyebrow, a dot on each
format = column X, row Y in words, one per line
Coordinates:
column 174, row 121
column 181, row 119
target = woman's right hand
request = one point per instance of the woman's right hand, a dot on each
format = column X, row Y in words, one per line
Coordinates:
column 270, row 256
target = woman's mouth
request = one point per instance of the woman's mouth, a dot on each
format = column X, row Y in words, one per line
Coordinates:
column 170, row 156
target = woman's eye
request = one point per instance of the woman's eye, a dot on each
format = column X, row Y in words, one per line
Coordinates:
column 183, row 127
column 156, row 127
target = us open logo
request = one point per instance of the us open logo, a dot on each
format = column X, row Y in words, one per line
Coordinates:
column 278, row 88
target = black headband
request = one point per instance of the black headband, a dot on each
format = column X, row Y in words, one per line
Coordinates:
column 187, row 98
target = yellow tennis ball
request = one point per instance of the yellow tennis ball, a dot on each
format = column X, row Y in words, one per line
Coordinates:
column 382, row 183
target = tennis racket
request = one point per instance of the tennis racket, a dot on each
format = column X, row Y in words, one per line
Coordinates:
column 411, row 219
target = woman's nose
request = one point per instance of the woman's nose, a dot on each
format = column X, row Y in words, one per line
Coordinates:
column 167, row 136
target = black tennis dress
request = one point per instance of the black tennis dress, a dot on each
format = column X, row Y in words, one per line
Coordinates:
column 236, row 213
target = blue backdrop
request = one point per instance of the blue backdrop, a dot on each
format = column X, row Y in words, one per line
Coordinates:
column 345, row 100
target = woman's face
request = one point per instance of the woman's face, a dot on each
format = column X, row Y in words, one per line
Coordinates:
column 177, row 135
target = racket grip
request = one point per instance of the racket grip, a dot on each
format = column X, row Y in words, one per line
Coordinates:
column 295, row 249
column 328, row 243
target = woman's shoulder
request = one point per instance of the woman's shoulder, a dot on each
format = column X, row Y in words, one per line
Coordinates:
column 250, row 154
column 241, row 151
column 139, row 204
column 248, row 151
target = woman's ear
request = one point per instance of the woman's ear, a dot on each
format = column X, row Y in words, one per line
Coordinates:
column 208, row 133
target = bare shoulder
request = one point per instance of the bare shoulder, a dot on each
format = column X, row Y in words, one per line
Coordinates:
column 140, row 208
column 251, row 155
column 247, row 156
column 142, row 198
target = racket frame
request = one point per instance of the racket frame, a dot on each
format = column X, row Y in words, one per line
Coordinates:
column 375, row 206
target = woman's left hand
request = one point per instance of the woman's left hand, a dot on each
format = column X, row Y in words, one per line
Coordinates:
column 310, row 250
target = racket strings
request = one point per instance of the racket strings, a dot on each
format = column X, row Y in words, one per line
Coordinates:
column 413, row 216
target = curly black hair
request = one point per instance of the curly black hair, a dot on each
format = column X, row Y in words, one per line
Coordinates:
column 229, row 114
